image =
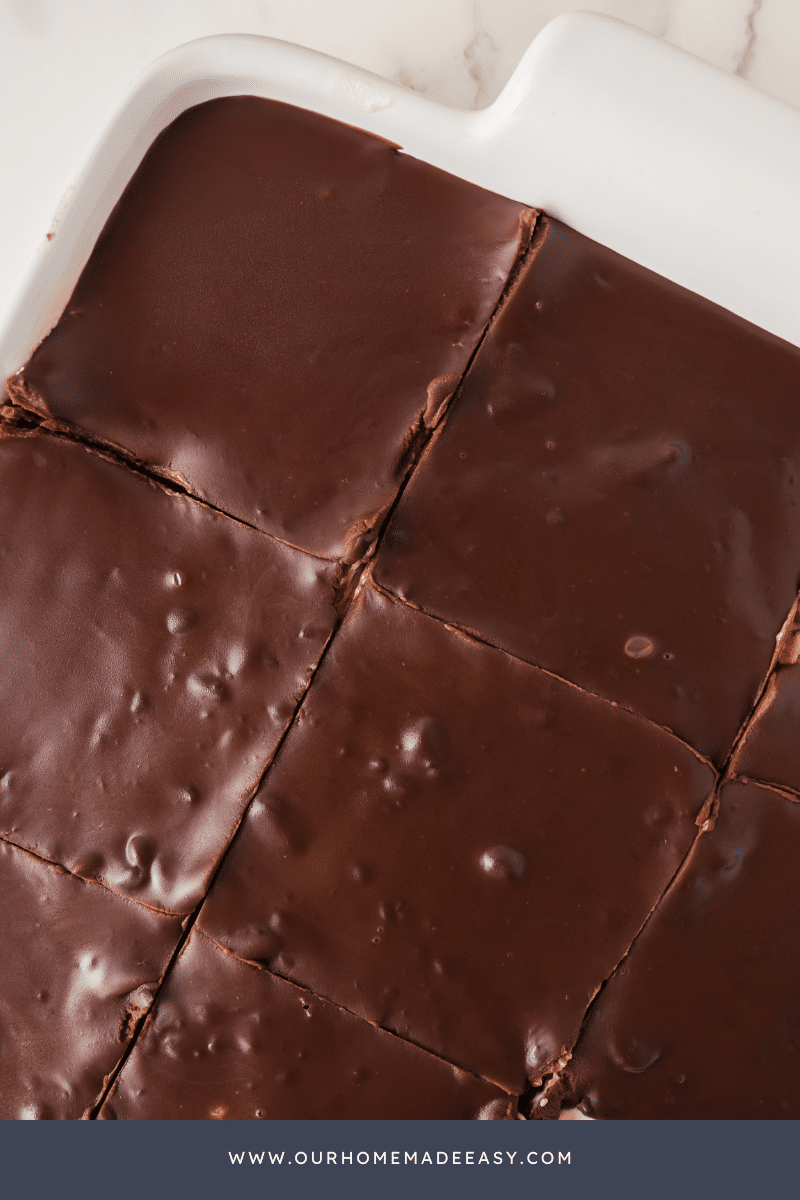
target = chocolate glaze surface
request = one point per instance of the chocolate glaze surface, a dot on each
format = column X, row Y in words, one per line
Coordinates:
column 230, row 1041
column 276, row 304
column 770, row 749
column 79, row 967
column 454, row 845
column 153, row 654
column 702, row 1020
column 616, row 495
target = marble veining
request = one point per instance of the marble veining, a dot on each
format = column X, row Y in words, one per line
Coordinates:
column 746, row 57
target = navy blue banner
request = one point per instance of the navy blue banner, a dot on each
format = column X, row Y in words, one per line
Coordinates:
column 644, row 1159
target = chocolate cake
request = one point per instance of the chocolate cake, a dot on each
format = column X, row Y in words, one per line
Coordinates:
column 262, row 258
column 702, row 1020
column 399, row 622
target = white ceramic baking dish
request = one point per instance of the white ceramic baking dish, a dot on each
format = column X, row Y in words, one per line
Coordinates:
column 667, row 160
column 679, row 166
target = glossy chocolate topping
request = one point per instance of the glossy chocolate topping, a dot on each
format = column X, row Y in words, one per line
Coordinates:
column 230, row 1041
column 770, row 749
column 616, row 495
column 451, row 843
column 79, row 966
column 153, row 654
column 454, row 845
column 275, row 306
column 702, row 1020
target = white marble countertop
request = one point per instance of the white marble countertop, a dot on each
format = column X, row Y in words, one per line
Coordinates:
column 67, row 63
